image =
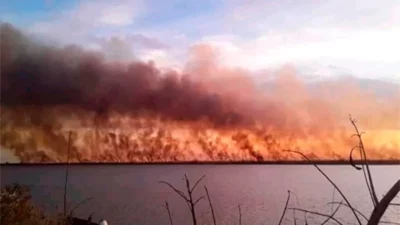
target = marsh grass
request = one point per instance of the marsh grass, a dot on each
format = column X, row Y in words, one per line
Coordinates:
column 379, row 206
column 16, row 207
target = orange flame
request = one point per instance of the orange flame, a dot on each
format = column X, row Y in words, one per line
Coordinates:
column 136, row 113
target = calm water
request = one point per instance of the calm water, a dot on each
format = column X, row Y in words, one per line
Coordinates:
column 125, row 195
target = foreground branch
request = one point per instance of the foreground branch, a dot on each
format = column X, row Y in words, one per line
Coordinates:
column 66, row 178
column 211, row 206
column 317, row 213
column 79, row 204
column 367, row 174
column 188, row 199
column 284, row 210
column 332, row 215
column 169, row 213
column 383, row 204
column 330, row 181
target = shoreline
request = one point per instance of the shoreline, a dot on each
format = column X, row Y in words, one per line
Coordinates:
column 279, row 162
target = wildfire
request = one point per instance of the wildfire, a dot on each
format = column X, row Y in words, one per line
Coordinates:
column 136, row 113
column 144, row 138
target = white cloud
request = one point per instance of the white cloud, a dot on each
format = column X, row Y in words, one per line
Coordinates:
column 161, row 58
column 360, row 36
column 117, row 16
column 356, row 50
column 88, row 17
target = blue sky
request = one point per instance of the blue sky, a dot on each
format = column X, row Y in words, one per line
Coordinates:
column 322, row 38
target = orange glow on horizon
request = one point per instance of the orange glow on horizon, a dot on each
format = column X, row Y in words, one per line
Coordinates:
column 152, row 139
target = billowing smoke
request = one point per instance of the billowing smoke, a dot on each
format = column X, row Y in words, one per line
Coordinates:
column 119, row 111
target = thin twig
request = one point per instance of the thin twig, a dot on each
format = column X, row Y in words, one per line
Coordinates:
column 189, row 200
column 369, row 181
column 326, row 176
column 294, row 211
column 169, row 213
column 66, row 178
column 284, row 210
column 197, row 201
column 333, row 197
column 294, row 217
column 79, row 204
column 305, row 217
column 211, row 206
column 383, row 204
column 176, row 190
column 191, row 190
column 332, row 215
column 344, row 204
column 317, row 213
column 361, row 214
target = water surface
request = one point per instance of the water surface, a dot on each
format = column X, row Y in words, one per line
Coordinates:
column 131, row 194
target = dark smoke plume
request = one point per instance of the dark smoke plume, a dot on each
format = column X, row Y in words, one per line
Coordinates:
column 134, row 112
column 34, row 74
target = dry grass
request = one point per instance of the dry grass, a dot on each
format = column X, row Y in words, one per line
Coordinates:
column 379, row 206
column 17, row 208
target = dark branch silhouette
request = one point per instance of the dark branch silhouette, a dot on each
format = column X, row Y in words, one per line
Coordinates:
column 169, row 213
column 211, row 206
column 317, row 213
column 79, row 204
column 367, row 173
column 330, row 181
column 191, row 203
column 66, row 178
column 284, row 210
column 383, row 204
column 332, row 215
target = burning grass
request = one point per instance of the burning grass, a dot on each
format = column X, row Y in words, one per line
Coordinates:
column 16, row 207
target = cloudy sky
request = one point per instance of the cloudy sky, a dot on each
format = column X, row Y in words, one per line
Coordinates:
column 320, row 37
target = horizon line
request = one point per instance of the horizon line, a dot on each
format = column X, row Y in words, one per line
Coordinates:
column 243, row 162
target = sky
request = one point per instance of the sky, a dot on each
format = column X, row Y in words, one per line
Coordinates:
column 321, row 38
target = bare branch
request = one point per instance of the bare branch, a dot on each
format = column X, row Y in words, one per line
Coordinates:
column 383, row 204
column 176, row 190
column 284, row 210
column 189, row 199
column 351, row 158
column 333, row 197
column 169, row 213
column 198, row 200
column 317, row 213
column 344, row 204
column 297, row 199
column 187, row 184
column 66, row 177
column 211, row 206
column 332, row 215
column 79, row 204
column 198, row 181
column 333, row 183
column 294, row 217
column 363, row 154
column 305, row 217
